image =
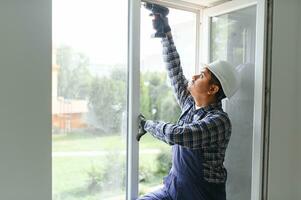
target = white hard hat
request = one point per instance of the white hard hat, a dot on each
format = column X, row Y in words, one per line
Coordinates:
column 227, row 76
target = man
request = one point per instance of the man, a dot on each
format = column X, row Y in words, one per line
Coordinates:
column 202, row 133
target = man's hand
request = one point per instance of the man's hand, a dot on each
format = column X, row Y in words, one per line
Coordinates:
column 160, row 23
column 141, row 123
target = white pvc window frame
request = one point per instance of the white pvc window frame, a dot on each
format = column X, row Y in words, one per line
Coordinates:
column 259, row 88
column 133, row 100
column 202, row 37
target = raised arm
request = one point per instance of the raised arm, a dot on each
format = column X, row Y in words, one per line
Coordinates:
column 170, row 54
column 175, row 72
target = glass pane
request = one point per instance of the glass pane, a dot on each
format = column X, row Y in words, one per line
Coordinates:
column 89, row 93
column 233, row 39
column 157, row 99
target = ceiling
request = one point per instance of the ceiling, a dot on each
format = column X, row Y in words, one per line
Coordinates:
column 206, row 3
column 190, row 3
column 193, row 4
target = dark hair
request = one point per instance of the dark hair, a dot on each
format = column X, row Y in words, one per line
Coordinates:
column 220, row 94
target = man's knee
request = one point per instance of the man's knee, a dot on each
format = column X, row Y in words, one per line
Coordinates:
column 159, row 194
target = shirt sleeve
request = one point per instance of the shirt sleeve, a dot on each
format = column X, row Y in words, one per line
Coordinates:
column 199, row 134
column 175, row 72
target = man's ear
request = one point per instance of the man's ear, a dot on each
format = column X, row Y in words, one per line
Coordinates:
column 213, row 89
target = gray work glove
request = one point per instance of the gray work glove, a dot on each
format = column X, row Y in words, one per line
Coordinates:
column 141, row 123
column 160, row 24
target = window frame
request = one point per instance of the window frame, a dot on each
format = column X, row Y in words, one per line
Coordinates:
column 133, row 104
column 261, row 90
column 260, row 143
column 133, row 100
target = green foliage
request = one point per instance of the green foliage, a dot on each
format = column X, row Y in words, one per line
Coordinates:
column 169, row 108
column 157, row 90
column 109, row 176
column 145, row 174
column 115, row 172
column 158, row 167
column 107, row 102
column 95, row 177
column 163, row 162
column 157, row 99
column 74, row 78
column 119, row 78
column 145, row 101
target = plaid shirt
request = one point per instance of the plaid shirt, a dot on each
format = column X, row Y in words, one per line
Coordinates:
column 207, row 129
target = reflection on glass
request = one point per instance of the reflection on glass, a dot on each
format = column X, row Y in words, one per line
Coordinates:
column 89, row 99
column 233, row 39
column 157, row 101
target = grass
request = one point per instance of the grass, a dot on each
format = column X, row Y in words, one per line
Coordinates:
column 71, row 180
column 89, row 142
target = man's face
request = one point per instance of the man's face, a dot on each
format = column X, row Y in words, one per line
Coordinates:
column 200, row 83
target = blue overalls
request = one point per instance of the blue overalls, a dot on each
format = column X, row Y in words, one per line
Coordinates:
column 185, row 180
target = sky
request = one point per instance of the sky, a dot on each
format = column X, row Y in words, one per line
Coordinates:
column 99, row 28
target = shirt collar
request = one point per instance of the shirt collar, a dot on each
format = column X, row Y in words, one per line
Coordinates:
column 217, row 105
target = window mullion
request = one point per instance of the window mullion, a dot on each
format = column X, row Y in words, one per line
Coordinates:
column 133, row 97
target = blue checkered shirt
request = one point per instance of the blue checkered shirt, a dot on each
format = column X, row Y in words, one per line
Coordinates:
column 207, row 129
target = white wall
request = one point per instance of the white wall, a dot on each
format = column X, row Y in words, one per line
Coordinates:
column 25, row 102
column 284, row 172
column 299, row 100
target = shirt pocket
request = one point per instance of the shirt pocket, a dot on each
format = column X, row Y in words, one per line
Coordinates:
column 180, row 122
column 196, row 118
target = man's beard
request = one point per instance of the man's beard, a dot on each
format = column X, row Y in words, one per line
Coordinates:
column 190, row 84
